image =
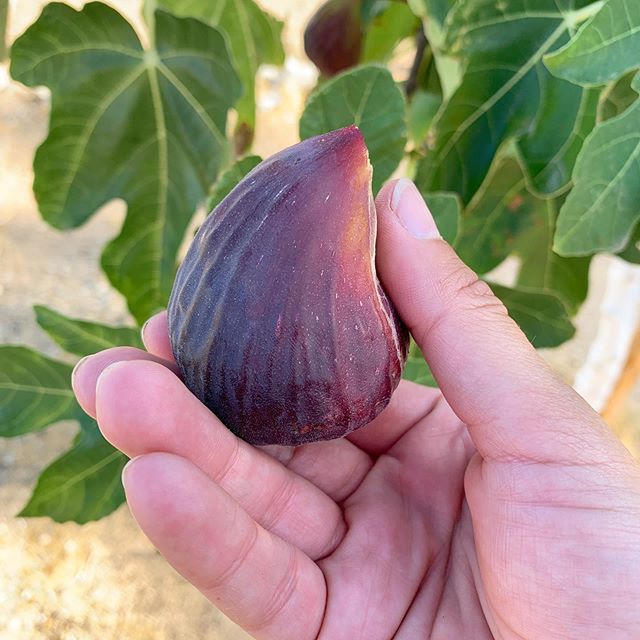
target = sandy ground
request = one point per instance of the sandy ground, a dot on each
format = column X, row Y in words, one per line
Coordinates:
column 105, row 580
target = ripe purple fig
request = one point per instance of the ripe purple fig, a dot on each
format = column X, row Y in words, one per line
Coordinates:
column 333, row 37
column 277, row 320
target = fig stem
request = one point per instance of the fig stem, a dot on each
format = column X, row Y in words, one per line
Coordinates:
column 421, row 47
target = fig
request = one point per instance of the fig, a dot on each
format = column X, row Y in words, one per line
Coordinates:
column 277, row 320
column 333, row 37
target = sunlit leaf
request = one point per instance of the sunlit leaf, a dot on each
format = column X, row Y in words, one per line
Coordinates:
column 386, row 30
column 147, row 126
column 368, row 97
column 605, row 48
column 500, row 92
column 253, row 36
column 83, row 484
column 422, row 110
column 604, row 206
column 35, row 391
column 81, row 337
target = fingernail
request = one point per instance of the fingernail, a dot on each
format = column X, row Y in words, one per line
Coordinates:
column 78, row 366
column 412, row 211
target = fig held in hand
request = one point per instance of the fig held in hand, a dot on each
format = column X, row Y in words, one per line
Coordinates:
column 277, row 320
column 333, row 37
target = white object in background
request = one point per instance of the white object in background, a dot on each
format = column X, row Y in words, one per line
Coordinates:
column 619, row 320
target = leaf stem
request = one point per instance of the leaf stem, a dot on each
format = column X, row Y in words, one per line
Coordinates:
column 149, row 12
column 577, row 17
column 421, row 47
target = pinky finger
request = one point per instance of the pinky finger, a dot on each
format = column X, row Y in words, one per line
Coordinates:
column 155, row 335
column 265, row 584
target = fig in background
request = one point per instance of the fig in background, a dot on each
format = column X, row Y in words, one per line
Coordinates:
column 333, row 37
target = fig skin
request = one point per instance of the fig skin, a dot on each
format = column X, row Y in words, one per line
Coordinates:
column 333, row 37
column 277, row 320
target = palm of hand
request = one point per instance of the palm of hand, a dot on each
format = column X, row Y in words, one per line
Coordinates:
column 411, row 567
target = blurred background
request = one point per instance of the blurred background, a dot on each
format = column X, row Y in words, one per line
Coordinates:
column 104, row 580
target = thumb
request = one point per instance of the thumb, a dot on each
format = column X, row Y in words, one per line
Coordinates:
column 493, row 379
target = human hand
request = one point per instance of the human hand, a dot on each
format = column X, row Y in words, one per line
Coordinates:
column 501, row 508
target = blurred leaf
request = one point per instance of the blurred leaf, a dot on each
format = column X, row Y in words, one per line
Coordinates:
column 546, row 271
column 605, row 48
column 542, row 316
column 81, row 485
column 35, row 391
column 435, row 9
column 604, row 205
column 254, row 38
column 83, row 338
column 422, row 110
column 416, row 369
column 147, row 126
column 631, row 252
column 567, row 115
column 229, row 179
column 496, row 100
column 446, row 210
column 368, row 97
column 387, row 30
column 500, row 211
column 617, row 98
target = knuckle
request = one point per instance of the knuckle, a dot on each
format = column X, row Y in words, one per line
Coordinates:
column 281, row 595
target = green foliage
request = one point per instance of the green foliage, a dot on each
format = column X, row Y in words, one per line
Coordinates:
column 82, row 338
column 392, row 25
column 35, row 391
column 542, row 317
column 253, row 37
column 368, row 97
column 230, row 178
column 144, row 125
column 604, row 49
column 604, row 207
column 83, row 484
column 524, row 124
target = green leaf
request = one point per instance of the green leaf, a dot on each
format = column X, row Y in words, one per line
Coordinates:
column 500, row 211
column 230, row 178
column 35, row 391
column 432, row 9
column 544, row 270
column 617, row 98
column 423, row 108
column 368, row 97
column 387, row 30
column 253, row 35
column 567, row 115
column 416, row 369
column 446, row 210
column 631, row 252
column 145, row 126
column 542, row 316
column 605, row 48
column 503, row 45
column 81, row 485
column 83, row 338
column 604, row 205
